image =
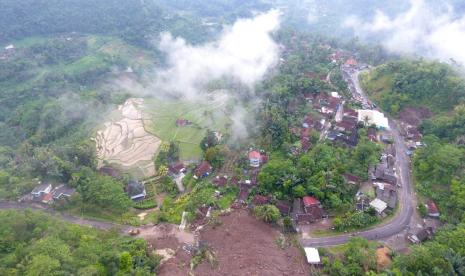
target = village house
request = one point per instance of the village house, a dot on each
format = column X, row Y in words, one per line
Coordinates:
column 177, row 169
column 63, row 192
column 420, row 236
column 378, row 205
column 387, row 193
column 350, row 140
column 254, row 159
column 136, row 190
column 220, row 181
column 433, row 210
column 311, row 211
column 41, row 190
column 373, row 117
column 203, row 170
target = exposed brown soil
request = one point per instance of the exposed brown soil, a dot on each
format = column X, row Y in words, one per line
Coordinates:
column 246, row 246
column 414, row 115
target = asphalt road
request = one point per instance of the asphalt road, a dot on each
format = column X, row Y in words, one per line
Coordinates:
column 406, row 196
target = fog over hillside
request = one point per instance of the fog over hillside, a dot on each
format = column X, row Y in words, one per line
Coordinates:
column 434, row 31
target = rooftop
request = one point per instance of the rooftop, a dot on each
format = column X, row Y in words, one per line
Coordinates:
column 313, row 257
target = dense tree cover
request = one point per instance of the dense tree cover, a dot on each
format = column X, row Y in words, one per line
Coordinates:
column 448, row 126
column 402, row 83
column 439, row 169
column 100, row 191
column 439, row 166
column 48, row 113
column 443, row 256
column 358, row 257
column 135, row 21
column 32, row 243
column 319, row 173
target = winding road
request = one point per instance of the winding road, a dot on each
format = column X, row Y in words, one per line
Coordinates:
column 406, row 208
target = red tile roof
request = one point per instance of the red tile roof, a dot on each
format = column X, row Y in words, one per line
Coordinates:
column 310, row 201
column 254, row 155
column 432, row 208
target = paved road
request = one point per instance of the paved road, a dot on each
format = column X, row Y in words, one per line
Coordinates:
column 72, row 219
column 406, row 196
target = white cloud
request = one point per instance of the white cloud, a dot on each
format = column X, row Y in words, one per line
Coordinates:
column 434, row 31
column 244, row 51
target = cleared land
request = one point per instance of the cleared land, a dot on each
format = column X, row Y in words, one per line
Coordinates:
column 210, row 113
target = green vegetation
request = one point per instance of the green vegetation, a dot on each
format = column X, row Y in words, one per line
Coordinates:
column 202, row 117
column 33, row 243
column 357, row 257
column 439, row 166
column 268, row 213
column 319, row 173
column 202, row 194
column 402, row 83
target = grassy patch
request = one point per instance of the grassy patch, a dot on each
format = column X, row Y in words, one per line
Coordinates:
column 203, row 116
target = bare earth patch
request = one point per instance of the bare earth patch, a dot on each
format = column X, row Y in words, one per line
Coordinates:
column 126, row 142
column 414, row 115
column 246, row 246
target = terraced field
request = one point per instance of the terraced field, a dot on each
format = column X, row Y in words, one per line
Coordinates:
column 126, row 142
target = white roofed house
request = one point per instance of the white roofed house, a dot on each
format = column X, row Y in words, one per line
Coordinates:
column 313, row 257
column 379, row 205
column 41, row 190
column 373, row 117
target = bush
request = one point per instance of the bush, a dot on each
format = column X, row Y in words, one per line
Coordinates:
column 355, row 220
column 145, row 204
column 268, row 213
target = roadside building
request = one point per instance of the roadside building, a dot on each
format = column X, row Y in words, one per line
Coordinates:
column 378, row 205
column 373, row 117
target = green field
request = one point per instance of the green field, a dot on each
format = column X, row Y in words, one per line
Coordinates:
column 203, row 116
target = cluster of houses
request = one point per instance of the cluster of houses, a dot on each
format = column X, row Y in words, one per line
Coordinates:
column 47, row 194
column 384, row 180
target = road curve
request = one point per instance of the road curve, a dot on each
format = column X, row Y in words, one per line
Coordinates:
column 401, row 219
